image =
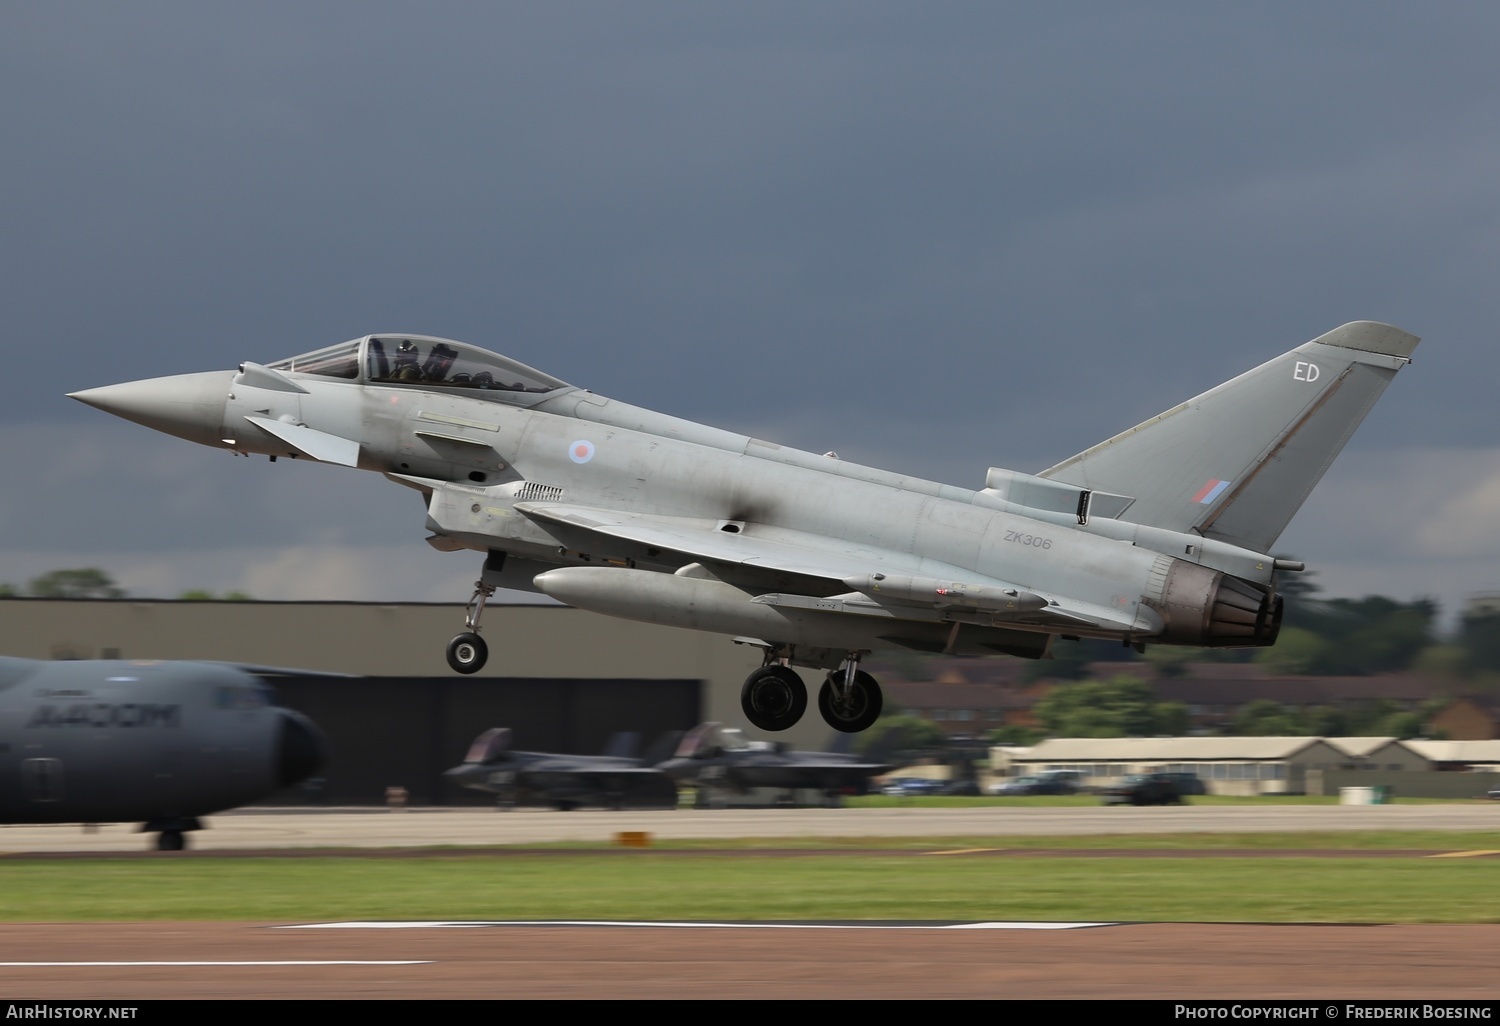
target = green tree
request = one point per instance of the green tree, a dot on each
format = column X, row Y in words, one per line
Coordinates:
column 200, row 595
column 899, row 737
column 1296, row 651
column 1479, row 637
column 1266, row 718
column 1122, row 707
column 1019, row 737
column 86, row 582
column 1172, row 718
column 1326, row 721
column 1374, row 634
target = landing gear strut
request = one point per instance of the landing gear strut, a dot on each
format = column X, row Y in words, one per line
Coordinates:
column 774, row 697
column 849, row 699
column 467, row 652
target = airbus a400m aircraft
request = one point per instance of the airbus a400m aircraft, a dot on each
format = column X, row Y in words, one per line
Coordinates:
column 1159, row 535
column 106, row 741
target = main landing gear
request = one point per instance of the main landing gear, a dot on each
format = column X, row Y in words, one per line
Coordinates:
column 171, row 832
column 467, row 652
column 849, row 699
column 774, row 697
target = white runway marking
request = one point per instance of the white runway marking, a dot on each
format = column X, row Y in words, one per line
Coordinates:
column 33, row 965
column 474, row 924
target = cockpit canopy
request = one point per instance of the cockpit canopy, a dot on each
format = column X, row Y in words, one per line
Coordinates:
column 422, row 360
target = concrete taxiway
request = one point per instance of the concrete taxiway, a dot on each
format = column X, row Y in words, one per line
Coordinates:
column 253, row 829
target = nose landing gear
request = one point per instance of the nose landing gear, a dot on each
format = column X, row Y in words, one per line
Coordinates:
column 467, row 652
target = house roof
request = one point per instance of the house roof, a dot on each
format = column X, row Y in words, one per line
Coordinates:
column 1458, row 751
column 1126, row 749
column 1361, row 747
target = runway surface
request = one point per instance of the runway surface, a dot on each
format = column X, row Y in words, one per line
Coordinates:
column 366, row 828
column 1160, row 961
column 140, row 961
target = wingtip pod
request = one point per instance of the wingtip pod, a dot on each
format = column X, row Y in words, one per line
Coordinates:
column 1371, row 337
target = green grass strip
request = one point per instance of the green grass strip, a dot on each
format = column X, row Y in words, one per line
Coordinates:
column 657, row 886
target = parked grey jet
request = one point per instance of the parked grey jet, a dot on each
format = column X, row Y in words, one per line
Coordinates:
column 1159, row 535
column 614, row 779
column 109, row 741
column 717, row 758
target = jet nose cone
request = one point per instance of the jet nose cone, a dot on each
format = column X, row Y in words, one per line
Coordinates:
column 189, row 406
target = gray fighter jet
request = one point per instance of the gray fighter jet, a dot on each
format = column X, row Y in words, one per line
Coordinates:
column 1159, row 535
column 613, row 780
column 109, row 741
column 717, row 759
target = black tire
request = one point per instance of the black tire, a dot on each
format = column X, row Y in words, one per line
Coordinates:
column 860, row 711
column 468, row 653
column 171, row 840
column 773, row 698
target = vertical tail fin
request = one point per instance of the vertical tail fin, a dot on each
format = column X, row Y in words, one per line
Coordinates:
column 1236, row 462
column 623, row 744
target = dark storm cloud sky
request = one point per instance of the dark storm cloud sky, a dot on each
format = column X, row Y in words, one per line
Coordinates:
column 933, row 237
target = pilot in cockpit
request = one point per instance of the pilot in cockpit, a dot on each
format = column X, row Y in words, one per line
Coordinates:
column 404, row 366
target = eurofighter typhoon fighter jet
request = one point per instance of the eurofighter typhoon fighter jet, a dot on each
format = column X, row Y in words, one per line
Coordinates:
column 110, row 741
column 1159, row 535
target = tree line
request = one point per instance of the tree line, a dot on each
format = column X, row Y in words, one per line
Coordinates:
column 93, row 583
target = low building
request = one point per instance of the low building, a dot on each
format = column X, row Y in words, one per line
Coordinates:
column 1462, row 756
column 1226, row 765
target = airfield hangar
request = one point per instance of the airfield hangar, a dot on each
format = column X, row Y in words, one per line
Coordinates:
column 562, row 679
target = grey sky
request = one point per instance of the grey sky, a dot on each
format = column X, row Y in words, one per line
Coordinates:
column 932, row 237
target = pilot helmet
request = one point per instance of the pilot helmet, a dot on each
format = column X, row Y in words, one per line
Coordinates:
column 406, row 346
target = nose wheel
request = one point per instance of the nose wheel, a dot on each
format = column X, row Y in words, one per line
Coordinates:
column 467, row 652
column 774, row 697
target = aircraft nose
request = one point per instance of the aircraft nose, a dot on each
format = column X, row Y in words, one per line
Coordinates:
column 300, row 750
column 189, row 406
column 463, row 774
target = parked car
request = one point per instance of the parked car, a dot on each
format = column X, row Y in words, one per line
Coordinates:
column 907, row 787
column 1145, row 789
column 1035, row 785
column 1187, row 783
column 965, row 788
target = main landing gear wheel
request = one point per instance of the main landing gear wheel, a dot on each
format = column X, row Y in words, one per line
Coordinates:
column 773, row 698
column 171, row 840
column 853, row 712
column 467, row 653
